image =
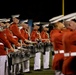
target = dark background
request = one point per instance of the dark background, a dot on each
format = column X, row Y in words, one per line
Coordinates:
column 37, row 10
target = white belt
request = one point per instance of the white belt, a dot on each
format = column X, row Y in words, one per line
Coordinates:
column 70, row 54
column 66, row 54
column 14, row 37
column 73, row 53
column 18, row 47
column 60, row 51
column 1, row 43
column 16, row 50
column 56, row 52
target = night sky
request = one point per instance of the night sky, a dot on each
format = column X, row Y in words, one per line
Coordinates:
column 37, row 10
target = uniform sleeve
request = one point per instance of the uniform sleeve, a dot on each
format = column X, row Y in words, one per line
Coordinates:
column 22, row 32
column 5, row 41
column 42, row 36
column 51, row 36
column 25, row 34
column 73, row 38
column 33, row 36
column 7, row 44
column 16, row 32
column 12, row 40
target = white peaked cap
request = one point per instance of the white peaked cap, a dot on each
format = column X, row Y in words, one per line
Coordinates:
column 14, row 16
column 11, row 23
column 54, row 18
column 45, row 25
column 57, row 20
column 71, row 18
column 68, row 16
column 36, row 23
column 65, row 17
column 7, row 20
column 1, row 21
column 24, row 21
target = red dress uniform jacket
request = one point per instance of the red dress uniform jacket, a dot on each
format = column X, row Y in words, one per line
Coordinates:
column 58, row 39
column 34, row 35
column 60, row 47
column 10, row 37
column 25, row 33
column 2, row 51
column 44, row 35
column 69, row 41
column 15, row 30
column 54, row 34
column 5, row 42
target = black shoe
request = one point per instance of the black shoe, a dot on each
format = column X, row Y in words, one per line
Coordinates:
column 47, row 68
column 38, row 70
column 19, row 74
column 27, row 72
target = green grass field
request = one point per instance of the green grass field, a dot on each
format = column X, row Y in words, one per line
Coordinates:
column 43, row 72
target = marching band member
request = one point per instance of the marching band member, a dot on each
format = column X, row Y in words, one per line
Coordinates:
column 69, row 45
column 35, row 36
column 24, row 31
column 57, row 44
column 15, row 30
column 53, row 31
column 4, row 43
column 45, row 39
column 13, row 39
column 56, row 39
